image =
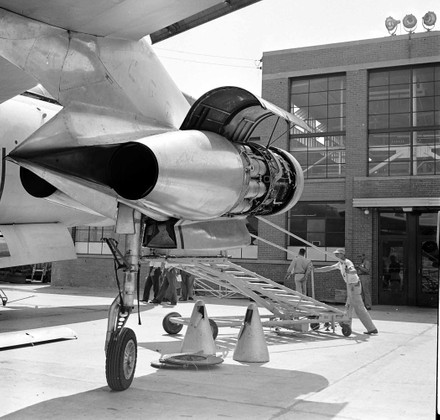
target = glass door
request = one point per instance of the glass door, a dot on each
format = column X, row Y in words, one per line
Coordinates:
column 427, row 261
column 393, row 278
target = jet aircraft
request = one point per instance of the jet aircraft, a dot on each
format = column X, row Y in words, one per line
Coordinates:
column 94, row 132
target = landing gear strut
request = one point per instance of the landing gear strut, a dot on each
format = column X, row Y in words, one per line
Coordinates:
column 121, row 343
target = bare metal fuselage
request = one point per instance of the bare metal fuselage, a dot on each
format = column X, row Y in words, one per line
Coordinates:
column 116, row 141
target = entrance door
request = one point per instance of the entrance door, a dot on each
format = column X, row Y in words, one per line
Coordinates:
column 427, row 261
column 408, row 263
column 393, row 271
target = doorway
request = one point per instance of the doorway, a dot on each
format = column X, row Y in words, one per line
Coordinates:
column 408, row 263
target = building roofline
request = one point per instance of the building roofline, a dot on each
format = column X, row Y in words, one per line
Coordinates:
column 390, row 38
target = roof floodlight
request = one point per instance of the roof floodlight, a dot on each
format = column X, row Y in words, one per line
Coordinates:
column 410, row 23
column 391, row 25
column 429, row 20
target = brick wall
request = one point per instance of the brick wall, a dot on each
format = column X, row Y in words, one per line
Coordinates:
column 380, row 52
column 95, row 272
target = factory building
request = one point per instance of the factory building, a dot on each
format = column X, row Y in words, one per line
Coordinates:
column 371, row 164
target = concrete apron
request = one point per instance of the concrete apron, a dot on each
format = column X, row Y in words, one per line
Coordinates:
column 318, row 375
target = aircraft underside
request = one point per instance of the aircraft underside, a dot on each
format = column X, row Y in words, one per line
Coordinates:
column 126, row 149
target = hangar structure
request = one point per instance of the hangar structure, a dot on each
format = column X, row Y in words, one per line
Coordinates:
column 371, row 166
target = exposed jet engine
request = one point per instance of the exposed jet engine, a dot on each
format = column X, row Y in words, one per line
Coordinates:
column 206, row 170
column 209, row 169
column 192, row 175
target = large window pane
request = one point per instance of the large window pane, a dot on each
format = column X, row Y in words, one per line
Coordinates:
column 379, row 107
column 400, row 91
column 336, row 97
column 424, row 89
column 400, row 167
column 424, row 119
column 378, row 139
column 336, row 124
column 399, row 105
column 414, row 102
column 423, row 74
column 379, row 78
column 318, row 85
column 424, row 104
column 400, row 76
column 400, row 120
column 336, row 83
column 376, row 122
column 321, row 103
column 322, row 224
column 378, row 92
column 299, row 86
column 318, row 98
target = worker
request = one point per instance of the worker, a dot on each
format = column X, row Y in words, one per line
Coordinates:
column 169, row 286
column 299, row 268
column 354, row 289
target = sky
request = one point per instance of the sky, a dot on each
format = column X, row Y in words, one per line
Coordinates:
column 226, row 51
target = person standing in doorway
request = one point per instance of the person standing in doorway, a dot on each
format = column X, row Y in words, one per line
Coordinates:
column 364, row 269
column 299, row 268
column 354, row 289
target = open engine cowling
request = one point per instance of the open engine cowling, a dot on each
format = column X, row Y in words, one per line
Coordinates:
column 208, row 169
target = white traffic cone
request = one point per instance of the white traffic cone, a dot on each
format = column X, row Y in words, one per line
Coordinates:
column 198, row 337
column 251, row 345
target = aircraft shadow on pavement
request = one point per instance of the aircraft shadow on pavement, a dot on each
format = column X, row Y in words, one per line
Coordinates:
column 226, row 342
column 20, row 318
column 231, row 391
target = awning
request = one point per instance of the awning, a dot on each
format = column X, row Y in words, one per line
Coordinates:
column 404, row 202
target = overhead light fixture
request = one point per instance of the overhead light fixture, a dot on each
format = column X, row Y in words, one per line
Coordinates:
column 428, row 20
column 410, row 23
column 391, row 25
column 366, row 211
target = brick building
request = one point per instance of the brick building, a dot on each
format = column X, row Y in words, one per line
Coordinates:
column 371, row 165
column 373, row 159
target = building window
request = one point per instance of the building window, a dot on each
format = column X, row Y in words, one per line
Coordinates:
column 88, row 240
column 322, row 224
column 320, row 102
column 404, row 121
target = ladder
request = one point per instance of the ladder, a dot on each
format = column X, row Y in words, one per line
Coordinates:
column 287, row 305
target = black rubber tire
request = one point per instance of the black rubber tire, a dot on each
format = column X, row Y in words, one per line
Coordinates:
column 315, row 326
column 346, row 330
column 214, row 328
column 171, row 327
column 121, row 358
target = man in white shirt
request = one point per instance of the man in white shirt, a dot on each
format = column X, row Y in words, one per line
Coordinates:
column 299, row 268
column 354, row 289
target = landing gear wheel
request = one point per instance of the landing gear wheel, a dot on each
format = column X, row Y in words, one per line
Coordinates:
column 315, row 326
column 121, row 359
column 346, row 330
column 214, row 328
column 169, row 326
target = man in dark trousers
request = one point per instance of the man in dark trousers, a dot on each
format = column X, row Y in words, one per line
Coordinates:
column 152, row 281
column 169, row 286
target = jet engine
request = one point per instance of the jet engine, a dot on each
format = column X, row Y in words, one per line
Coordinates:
column 191, row 175
column 208, row 169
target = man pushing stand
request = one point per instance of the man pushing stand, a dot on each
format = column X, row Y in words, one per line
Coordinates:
column 354, row 289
